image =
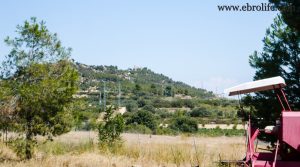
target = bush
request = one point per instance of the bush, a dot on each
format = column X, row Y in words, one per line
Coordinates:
column 141, row 102
column 131, row 106
column 184, row 124
column 177, row 103
column 163, row 113
column 165, row 131
column 189, row 103
column 87, row 125
column 19, row 147
column 135, row 128
column 234, row 127
column 200, row 112
column 183, row 103
column 149, row 108
column 159, row 103
column 143, row 118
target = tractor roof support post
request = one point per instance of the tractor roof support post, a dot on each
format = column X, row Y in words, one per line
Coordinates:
column 249, row 140
column 286, row 101
column 276, row 152
column 278, row 92
column 280, row 100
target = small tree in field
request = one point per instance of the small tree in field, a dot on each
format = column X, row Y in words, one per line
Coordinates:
column 38, row 73
column 110, row 129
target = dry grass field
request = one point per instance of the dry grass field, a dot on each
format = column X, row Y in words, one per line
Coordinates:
column 79, row 149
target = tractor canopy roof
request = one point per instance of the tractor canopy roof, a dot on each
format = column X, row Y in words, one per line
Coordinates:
column 256, row 86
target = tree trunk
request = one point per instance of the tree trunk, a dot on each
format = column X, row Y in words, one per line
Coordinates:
column 29, row 142
column 28, row 146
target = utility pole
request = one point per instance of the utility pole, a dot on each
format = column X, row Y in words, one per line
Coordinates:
column 162, row 87
column 104, row 96
column 100, row 97
column 119, row 95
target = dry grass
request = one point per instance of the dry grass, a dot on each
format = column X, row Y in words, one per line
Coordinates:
column 77, row 150
column 6, row 153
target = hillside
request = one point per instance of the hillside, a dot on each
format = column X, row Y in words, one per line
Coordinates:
column 132, row 80
column 141, row 90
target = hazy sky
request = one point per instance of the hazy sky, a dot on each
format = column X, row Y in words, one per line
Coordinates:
column 187, row 40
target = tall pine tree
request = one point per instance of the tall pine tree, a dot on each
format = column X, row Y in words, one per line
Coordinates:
column 280, row 57
column 39, row 75
column 290, row 10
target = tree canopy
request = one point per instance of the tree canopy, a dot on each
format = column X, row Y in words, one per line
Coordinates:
column 290, row 10
column 39, row 75
column 280, row 57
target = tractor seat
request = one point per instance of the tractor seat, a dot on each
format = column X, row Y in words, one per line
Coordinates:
column 271, row 129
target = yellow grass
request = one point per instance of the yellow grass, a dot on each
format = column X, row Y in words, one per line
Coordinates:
column 79, row 149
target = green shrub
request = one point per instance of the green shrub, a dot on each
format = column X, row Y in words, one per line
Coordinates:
column 163, row 113
column 159, row 103
column 143, row 118
column 19, row 147
column 131, row 106
column 136, row 128
column 110, row 130
column 234, row 127
column 200, row 112
column 141, row 102
column 165, row 131
column 149, row 108
column 184, row 124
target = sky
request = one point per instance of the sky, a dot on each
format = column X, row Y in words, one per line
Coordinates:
column 187, row 40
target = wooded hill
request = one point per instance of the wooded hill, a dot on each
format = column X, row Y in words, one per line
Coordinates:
column 140, row 89
column 137, row 81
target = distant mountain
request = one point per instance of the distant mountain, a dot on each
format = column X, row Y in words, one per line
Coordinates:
column 134, row 83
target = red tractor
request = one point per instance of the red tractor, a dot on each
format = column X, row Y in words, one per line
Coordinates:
column 287, row 129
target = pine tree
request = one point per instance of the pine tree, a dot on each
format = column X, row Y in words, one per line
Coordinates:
column 290, row 10
column 280, row 57
column 39, row 74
